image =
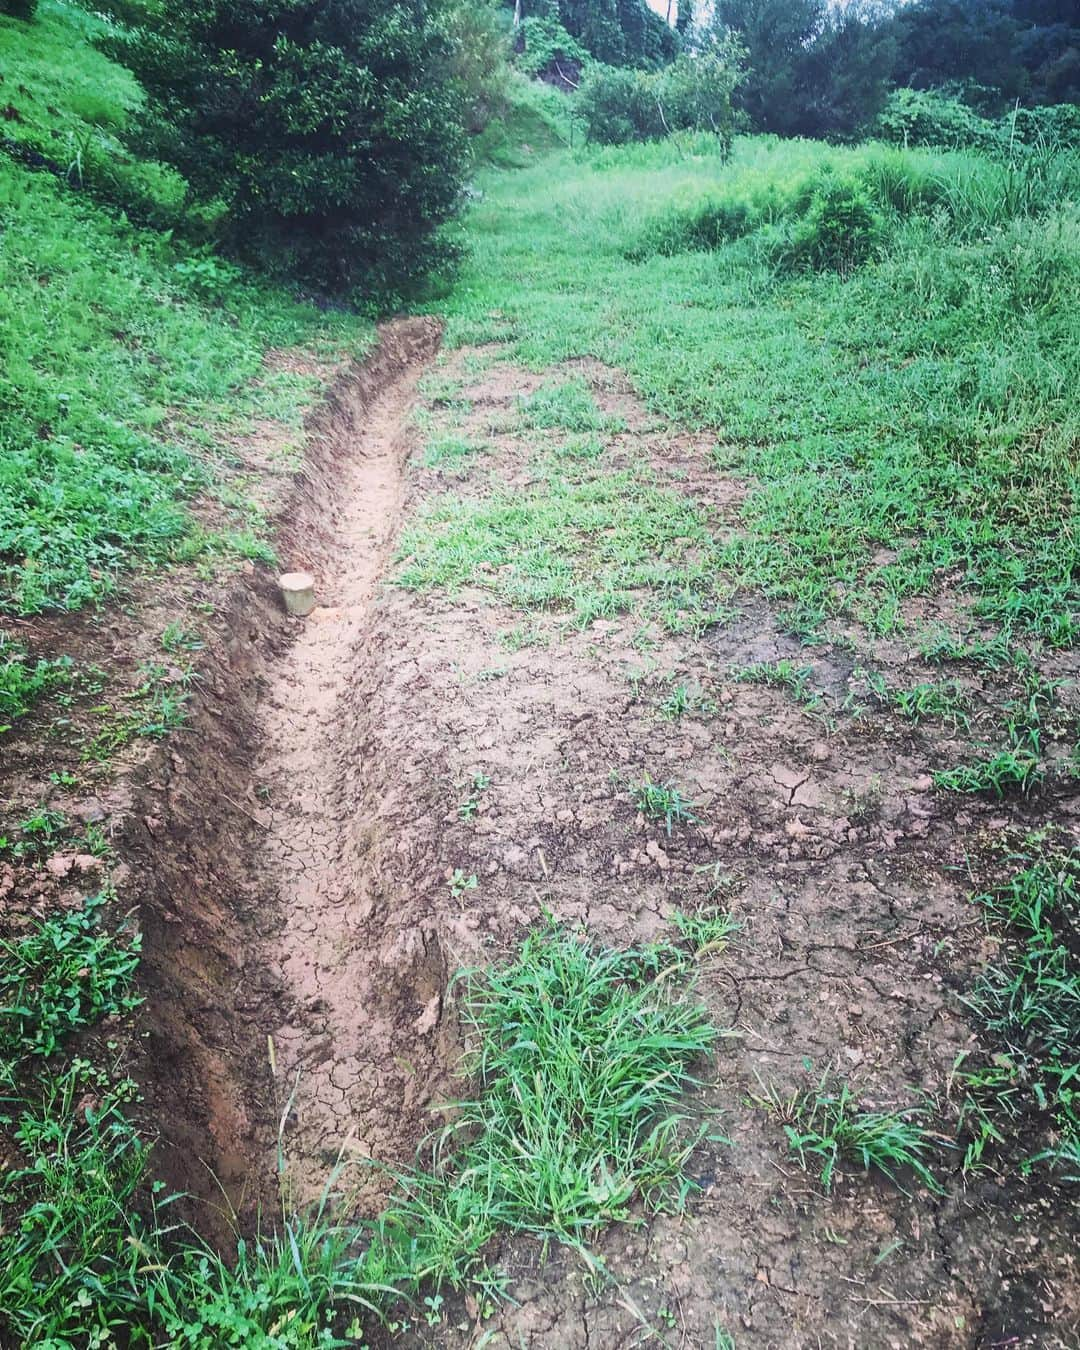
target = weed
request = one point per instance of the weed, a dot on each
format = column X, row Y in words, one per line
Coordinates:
column 568, row 406
column 471, row 805
column 707, row 931
column 64, row 974
column 782, row 674
column 828, row 1128
column 579, row 1054
column 39, row 834
column 176, row 638
column 520, row 636
column 864, row 803
column 1026, row 1005
column 448, row 451
column 662, row 801
column 460, row 883
column 1017, row 767
column 23, row 682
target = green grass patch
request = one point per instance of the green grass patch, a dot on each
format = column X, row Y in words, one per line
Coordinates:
column 127, row 353
column 595, row 547
column 568, row 405
column 1026, row 1006
column 827, row 1130
column 921, row 402
column 66, row 973
column 578, row 1057
column 23, row 680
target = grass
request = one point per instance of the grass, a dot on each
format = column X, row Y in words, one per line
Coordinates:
column 128, row 354
column 783, row 674
column 596, row 546
column 23, row 680
column 922, row 405
column 578, row 1057
column 1025, row 1004
column 827, row 1130
column 580, row 1054
column 706, row 932
column 662, row 801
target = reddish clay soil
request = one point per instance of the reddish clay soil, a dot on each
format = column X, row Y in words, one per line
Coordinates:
column 291, row 856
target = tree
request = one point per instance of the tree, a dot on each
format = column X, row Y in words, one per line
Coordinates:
column 815, row 69
column 329, row 129
column 616, row 32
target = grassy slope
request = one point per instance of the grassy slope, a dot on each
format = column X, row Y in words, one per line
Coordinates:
column 123, row 354
column 926, row 404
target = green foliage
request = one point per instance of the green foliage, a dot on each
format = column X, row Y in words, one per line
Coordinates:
column 23, row 681
column 64, row 974
column 707, row 931
column 693, row 93
column 595, row 545
column 568, row 405
column 545, row 44
column 332, row 135
column 73, row 1252
column 1026, row 1005
column 938, row 427
column 826, row 1128
column 579, row 1055
column 479, row 60
column 617, row 32
column 782, row 674
column 815, row 69
column 662, row 801
column 839, row 230
column 19, row 9
column 125, row 354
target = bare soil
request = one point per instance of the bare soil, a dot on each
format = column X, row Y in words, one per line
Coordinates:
column 292, row 852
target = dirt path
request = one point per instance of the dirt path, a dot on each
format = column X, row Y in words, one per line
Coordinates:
column 335, row 1053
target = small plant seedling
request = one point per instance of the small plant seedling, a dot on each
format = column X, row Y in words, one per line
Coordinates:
column 176, row 638
column 663, row 801
column 460, row 883
column 471, row 805
column 783, row 674
column 706, row 932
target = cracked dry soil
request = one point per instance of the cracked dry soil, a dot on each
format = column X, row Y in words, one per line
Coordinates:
column 845, row 869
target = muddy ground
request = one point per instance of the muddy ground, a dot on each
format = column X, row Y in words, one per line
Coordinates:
column 293, row 855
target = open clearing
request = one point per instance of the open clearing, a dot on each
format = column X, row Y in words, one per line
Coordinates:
column 693, row 666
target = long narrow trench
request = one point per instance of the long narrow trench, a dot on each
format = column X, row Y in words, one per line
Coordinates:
column 334, row 1060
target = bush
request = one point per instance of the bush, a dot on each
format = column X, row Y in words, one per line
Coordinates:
column 479, row 61
column 332, row 134
column 839, row 230
column 692, row 94
column 544, row 45
column 926, row 117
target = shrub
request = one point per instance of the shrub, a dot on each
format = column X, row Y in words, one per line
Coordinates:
column 839, row 230
column 479, row 61
column 544, row 46
column 692, row 94
column 926, row 117
column 332, row 133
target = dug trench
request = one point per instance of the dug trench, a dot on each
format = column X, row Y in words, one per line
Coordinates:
column 278, row 983
column 407, row 780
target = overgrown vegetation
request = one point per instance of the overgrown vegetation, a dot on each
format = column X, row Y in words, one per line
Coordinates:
column 579, row 1055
